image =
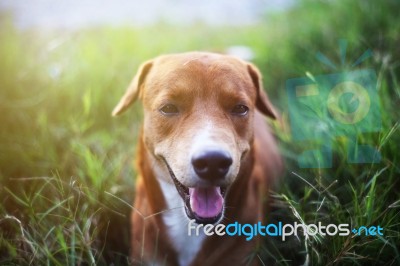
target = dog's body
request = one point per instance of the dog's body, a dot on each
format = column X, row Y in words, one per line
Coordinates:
column 204, row 153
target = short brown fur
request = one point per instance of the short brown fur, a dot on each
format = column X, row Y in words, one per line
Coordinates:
column 205, row 85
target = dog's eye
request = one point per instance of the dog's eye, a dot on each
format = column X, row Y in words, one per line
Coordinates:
column 240, row 109
column 169, row 109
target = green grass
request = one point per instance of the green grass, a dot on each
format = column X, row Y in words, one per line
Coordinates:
column 66, row 175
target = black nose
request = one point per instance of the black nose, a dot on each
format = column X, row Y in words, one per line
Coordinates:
column 210, row 164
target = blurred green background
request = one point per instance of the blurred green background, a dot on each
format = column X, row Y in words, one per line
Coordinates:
column 66, row 175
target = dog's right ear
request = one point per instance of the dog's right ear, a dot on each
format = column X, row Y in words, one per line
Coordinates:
column 134, row 88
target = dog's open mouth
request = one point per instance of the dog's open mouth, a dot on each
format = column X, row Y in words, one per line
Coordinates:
column 204, row 204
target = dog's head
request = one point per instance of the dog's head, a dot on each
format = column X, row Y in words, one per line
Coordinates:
column 198, row 123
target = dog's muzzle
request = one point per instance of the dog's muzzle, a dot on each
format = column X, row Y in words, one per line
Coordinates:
column 204, row 204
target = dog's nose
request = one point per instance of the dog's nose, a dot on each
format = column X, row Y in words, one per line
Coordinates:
column 211, row 163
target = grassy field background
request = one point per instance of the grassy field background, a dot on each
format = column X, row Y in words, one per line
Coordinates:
column 66, row 176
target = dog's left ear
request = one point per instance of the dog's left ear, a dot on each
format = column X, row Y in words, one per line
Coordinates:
column 134, row 88
column 263, row 103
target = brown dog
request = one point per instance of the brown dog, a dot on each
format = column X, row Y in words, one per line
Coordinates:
column 204, row 154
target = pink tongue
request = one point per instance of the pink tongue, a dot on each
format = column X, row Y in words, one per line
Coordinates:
column 206, row 202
